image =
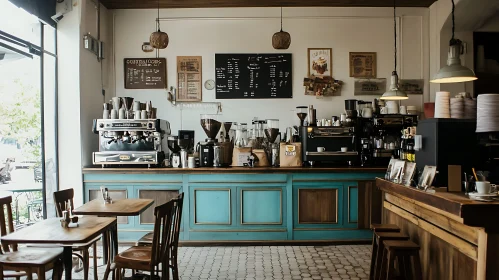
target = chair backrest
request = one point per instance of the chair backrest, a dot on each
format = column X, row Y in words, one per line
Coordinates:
column 177, row 219
column 163, row 221
column 6, row 221
column 63, row 200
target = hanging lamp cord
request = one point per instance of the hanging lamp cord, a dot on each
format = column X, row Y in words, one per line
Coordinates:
column 454, row 41
column 157, row 19
column 281, row 19
column 395, row 33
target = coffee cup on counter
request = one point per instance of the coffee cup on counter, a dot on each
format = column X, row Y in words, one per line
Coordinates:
column 383, row 110
column 344, row 149
column 484, row 187
column 403, row 110
column 321, row 149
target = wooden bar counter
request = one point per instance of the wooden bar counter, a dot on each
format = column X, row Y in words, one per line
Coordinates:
column 459, row 237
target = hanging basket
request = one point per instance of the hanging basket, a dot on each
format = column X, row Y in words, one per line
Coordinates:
column 281, row 40
column 159, row 40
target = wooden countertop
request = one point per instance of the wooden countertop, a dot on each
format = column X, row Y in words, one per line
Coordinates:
column 234, row 170
column 472, row 212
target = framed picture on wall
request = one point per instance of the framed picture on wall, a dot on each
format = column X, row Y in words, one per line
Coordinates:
column 363, row 64
column 189, row 78
column 320, row 62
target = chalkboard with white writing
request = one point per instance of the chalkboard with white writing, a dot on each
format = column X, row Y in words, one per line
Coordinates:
column 253, row 76
column 145, row 73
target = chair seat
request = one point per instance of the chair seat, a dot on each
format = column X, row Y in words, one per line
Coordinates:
column 136, row 257
column 27, row 257
column 146, row 240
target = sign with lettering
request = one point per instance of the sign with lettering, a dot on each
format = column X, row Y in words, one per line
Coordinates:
column 145, row 73
column 253, row 76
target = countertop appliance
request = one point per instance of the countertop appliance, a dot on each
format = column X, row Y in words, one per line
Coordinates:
column 130, row 142
column 324, row 144
column 211, row 126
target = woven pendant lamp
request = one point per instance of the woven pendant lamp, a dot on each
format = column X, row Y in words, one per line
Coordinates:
column 159, row 39
column 281, row 40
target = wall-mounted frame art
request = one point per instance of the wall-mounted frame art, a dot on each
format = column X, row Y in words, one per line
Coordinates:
column 320, row 62
column 412, row 86
column 369, row 86
column 363, row 64
column 189, row 79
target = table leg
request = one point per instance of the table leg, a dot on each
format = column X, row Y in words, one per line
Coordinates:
column 114, row 240
column 105, row 252
column 67, row 258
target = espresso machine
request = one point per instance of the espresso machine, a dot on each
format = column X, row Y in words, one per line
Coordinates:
column 130, row 142
column 325, row 144
column 211, row 126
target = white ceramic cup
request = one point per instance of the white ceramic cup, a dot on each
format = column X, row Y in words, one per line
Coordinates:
column 105, row 114
column 484, row 187
column 344, row 149
column 114, row 114
column 136, row 115
column 143, row 114
column 367, row 112
column 402, row 110
column 383, row 110
column 321, row 149
column 121, row 114
column 191, row 162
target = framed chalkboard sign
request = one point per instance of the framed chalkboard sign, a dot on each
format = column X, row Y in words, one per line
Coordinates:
column 145, row 73
column 253, row 76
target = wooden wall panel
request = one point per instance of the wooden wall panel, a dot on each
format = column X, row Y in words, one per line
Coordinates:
column 439, row 259
column 370, row 204
column 317, row 206
column 159, row 197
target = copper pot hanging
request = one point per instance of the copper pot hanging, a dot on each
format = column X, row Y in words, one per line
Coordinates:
column 159, row 39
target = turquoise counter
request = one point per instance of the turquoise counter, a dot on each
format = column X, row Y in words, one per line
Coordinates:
column 258, row 205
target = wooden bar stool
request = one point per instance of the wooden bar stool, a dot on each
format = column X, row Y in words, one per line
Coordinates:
column 378, row 249
column 402, row 251
column 379, row 228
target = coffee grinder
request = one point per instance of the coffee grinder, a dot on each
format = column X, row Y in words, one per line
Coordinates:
column 211, row 126
column 271, row 132
column 175, row 151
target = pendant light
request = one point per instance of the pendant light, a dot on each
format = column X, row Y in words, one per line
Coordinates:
column 454, row 72
column 281, row 40
column 159, row 39
column 394, row 92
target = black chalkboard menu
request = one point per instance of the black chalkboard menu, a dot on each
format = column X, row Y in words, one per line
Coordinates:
column 145, row 73
column 241, row 76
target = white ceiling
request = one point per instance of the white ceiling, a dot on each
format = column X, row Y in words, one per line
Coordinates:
column 472, row 14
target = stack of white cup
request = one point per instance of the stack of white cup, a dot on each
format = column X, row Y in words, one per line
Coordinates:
column 457, row 108
column 488, row 114
column 469, row 108
column 442, row 107
column 393, row 107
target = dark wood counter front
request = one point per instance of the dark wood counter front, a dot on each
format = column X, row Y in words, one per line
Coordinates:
column 233, row 170
column 458, row 237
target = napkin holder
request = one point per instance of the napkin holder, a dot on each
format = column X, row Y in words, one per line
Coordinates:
column 105, row 195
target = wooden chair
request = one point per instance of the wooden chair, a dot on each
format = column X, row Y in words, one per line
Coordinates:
column 16, row 263
column 379, row 248
column 156, row 257
column 64, row 200
column 147, row 239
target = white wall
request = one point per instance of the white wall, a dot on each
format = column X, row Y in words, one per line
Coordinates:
column 492, row 25
column 208, row 31
column 80, row 98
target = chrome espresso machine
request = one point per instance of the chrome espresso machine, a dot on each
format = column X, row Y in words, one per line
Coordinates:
column 130, row 141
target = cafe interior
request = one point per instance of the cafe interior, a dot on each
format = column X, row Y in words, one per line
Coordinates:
column 238, row 139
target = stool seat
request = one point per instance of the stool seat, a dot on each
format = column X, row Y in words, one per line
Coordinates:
column 399, row 244
column 391, row 235
column 385, row 228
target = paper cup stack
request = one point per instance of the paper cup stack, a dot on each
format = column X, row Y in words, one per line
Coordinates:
column 442, row 101
column 469, row 108
column 457, row 108
column 487, row 113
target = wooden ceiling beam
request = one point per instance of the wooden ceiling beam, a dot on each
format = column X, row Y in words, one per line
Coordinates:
column 172, row 4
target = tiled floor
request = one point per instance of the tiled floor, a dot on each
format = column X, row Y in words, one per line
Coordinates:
column 274, row 262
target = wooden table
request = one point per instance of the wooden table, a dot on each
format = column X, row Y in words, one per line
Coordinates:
column 120, row 207
column 459, row 237
column 49, row 231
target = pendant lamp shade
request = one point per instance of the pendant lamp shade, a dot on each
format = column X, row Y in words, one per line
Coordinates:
column 454, row 72
column 159, row 40
column 394, row 92
column 281, row 40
